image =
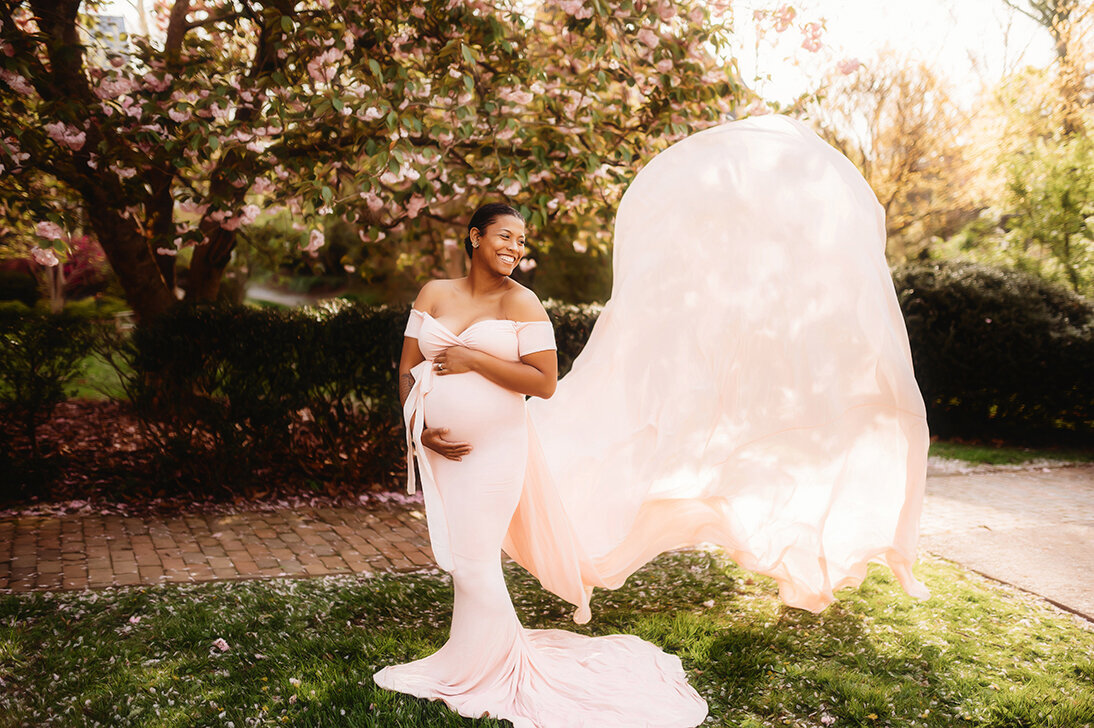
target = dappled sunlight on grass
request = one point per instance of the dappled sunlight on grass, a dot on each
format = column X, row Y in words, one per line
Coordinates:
column 302, row 652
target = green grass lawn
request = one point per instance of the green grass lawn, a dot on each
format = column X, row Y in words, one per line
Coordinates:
column 302, row 652
column 97, row 380
column 996, row 455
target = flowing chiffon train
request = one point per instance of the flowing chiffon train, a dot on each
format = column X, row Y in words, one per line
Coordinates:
column 748, row 384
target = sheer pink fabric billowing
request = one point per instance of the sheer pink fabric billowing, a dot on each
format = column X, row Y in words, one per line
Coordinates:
column 748, row 384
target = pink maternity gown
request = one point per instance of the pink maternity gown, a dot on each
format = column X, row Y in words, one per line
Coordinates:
column 749, row 384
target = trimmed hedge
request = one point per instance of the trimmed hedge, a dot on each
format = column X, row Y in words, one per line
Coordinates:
column 999, row 353
column 251, row 382
column 224, row 390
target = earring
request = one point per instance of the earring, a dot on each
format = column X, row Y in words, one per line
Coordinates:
column 474, row 245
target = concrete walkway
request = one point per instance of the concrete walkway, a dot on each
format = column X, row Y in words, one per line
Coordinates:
column 1030, row 528
column 1033, row 529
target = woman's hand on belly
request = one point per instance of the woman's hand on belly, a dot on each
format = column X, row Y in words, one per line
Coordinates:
column 454, row 360
column 432, row 437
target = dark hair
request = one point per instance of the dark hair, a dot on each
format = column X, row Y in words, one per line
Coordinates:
column 485, row 215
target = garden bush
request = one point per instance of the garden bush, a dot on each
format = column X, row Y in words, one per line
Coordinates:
column 999, row 353
column 40, row 354
column 19, row 286
column 220, row 388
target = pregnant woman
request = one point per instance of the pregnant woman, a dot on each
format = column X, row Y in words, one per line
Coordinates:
column 474, row 347
column 749, row 384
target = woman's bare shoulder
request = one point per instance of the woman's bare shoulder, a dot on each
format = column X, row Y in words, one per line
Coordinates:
column 522, row 304
column 432, row 293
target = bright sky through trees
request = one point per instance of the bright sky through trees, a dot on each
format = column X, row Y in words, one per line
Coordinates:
column 972, row 41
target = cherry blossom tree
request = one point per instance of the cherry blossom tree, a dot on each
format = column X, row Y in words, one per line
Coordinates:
column 396, row 117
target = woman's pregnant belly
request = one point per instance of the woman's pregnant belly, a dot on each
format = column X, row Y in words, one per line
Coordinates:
column 473, row 408
column 490, row 418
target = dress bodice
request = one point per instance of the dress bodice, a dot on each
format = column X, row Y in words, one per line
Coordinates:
column 503, row 338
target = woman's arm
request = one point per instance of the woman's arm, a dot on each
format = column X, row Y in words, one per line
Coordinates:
column 433, row 438
column 535, row 374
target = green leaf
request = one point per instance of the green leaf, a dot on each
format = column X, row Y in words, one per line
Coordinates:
column 337, row 103
column 327, row 193
column 468, row 54
column 375, row 68
column 286, row 23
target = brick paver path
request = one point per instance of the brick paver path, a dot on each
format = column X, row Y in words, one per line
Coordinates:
column 1032, row 528
column 79, row 551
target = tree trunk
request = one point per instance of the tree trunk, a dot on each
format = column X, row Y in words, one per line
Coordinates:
column 161, row 221
column 131, row 258
column 208, row 264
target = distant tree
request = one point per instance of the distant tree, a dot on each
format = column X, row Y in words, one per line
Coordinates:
column 895, row 118
column 1071, row 25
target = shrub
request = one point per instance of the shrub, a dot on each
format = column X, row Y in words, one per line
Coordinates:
column 999, row 353
column 19, row 286
column 40, row 355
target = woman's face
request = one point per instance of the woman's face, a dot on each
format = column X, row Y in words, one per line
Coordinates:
column 501, row 245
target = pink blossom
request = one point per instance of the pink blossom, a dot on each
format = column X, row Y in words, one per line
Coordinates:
column 178, row 116
column 783, row 17
column 666, row 12
column 414, row 205
column 526, row 264
column 44, row 256
column 261, row 186
column 168, row 251
column 811, row 41
column 369, row 114
column 758, row 108
column 49, row 230
column 417, row 11
column 517, row 96
column 221, row 113
column 649, row 38
column 849, row 65
column 221, row 645
column 372, row 200
column 696, row 14
column 111, row 87
column 576, row 8
column 511, row 189
column 315, row 242
column 65, row 134
column 156, row 83
column 16, row 82
column 193, row 208
column 664, row 65
column 580, row 247
column 322, row 68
